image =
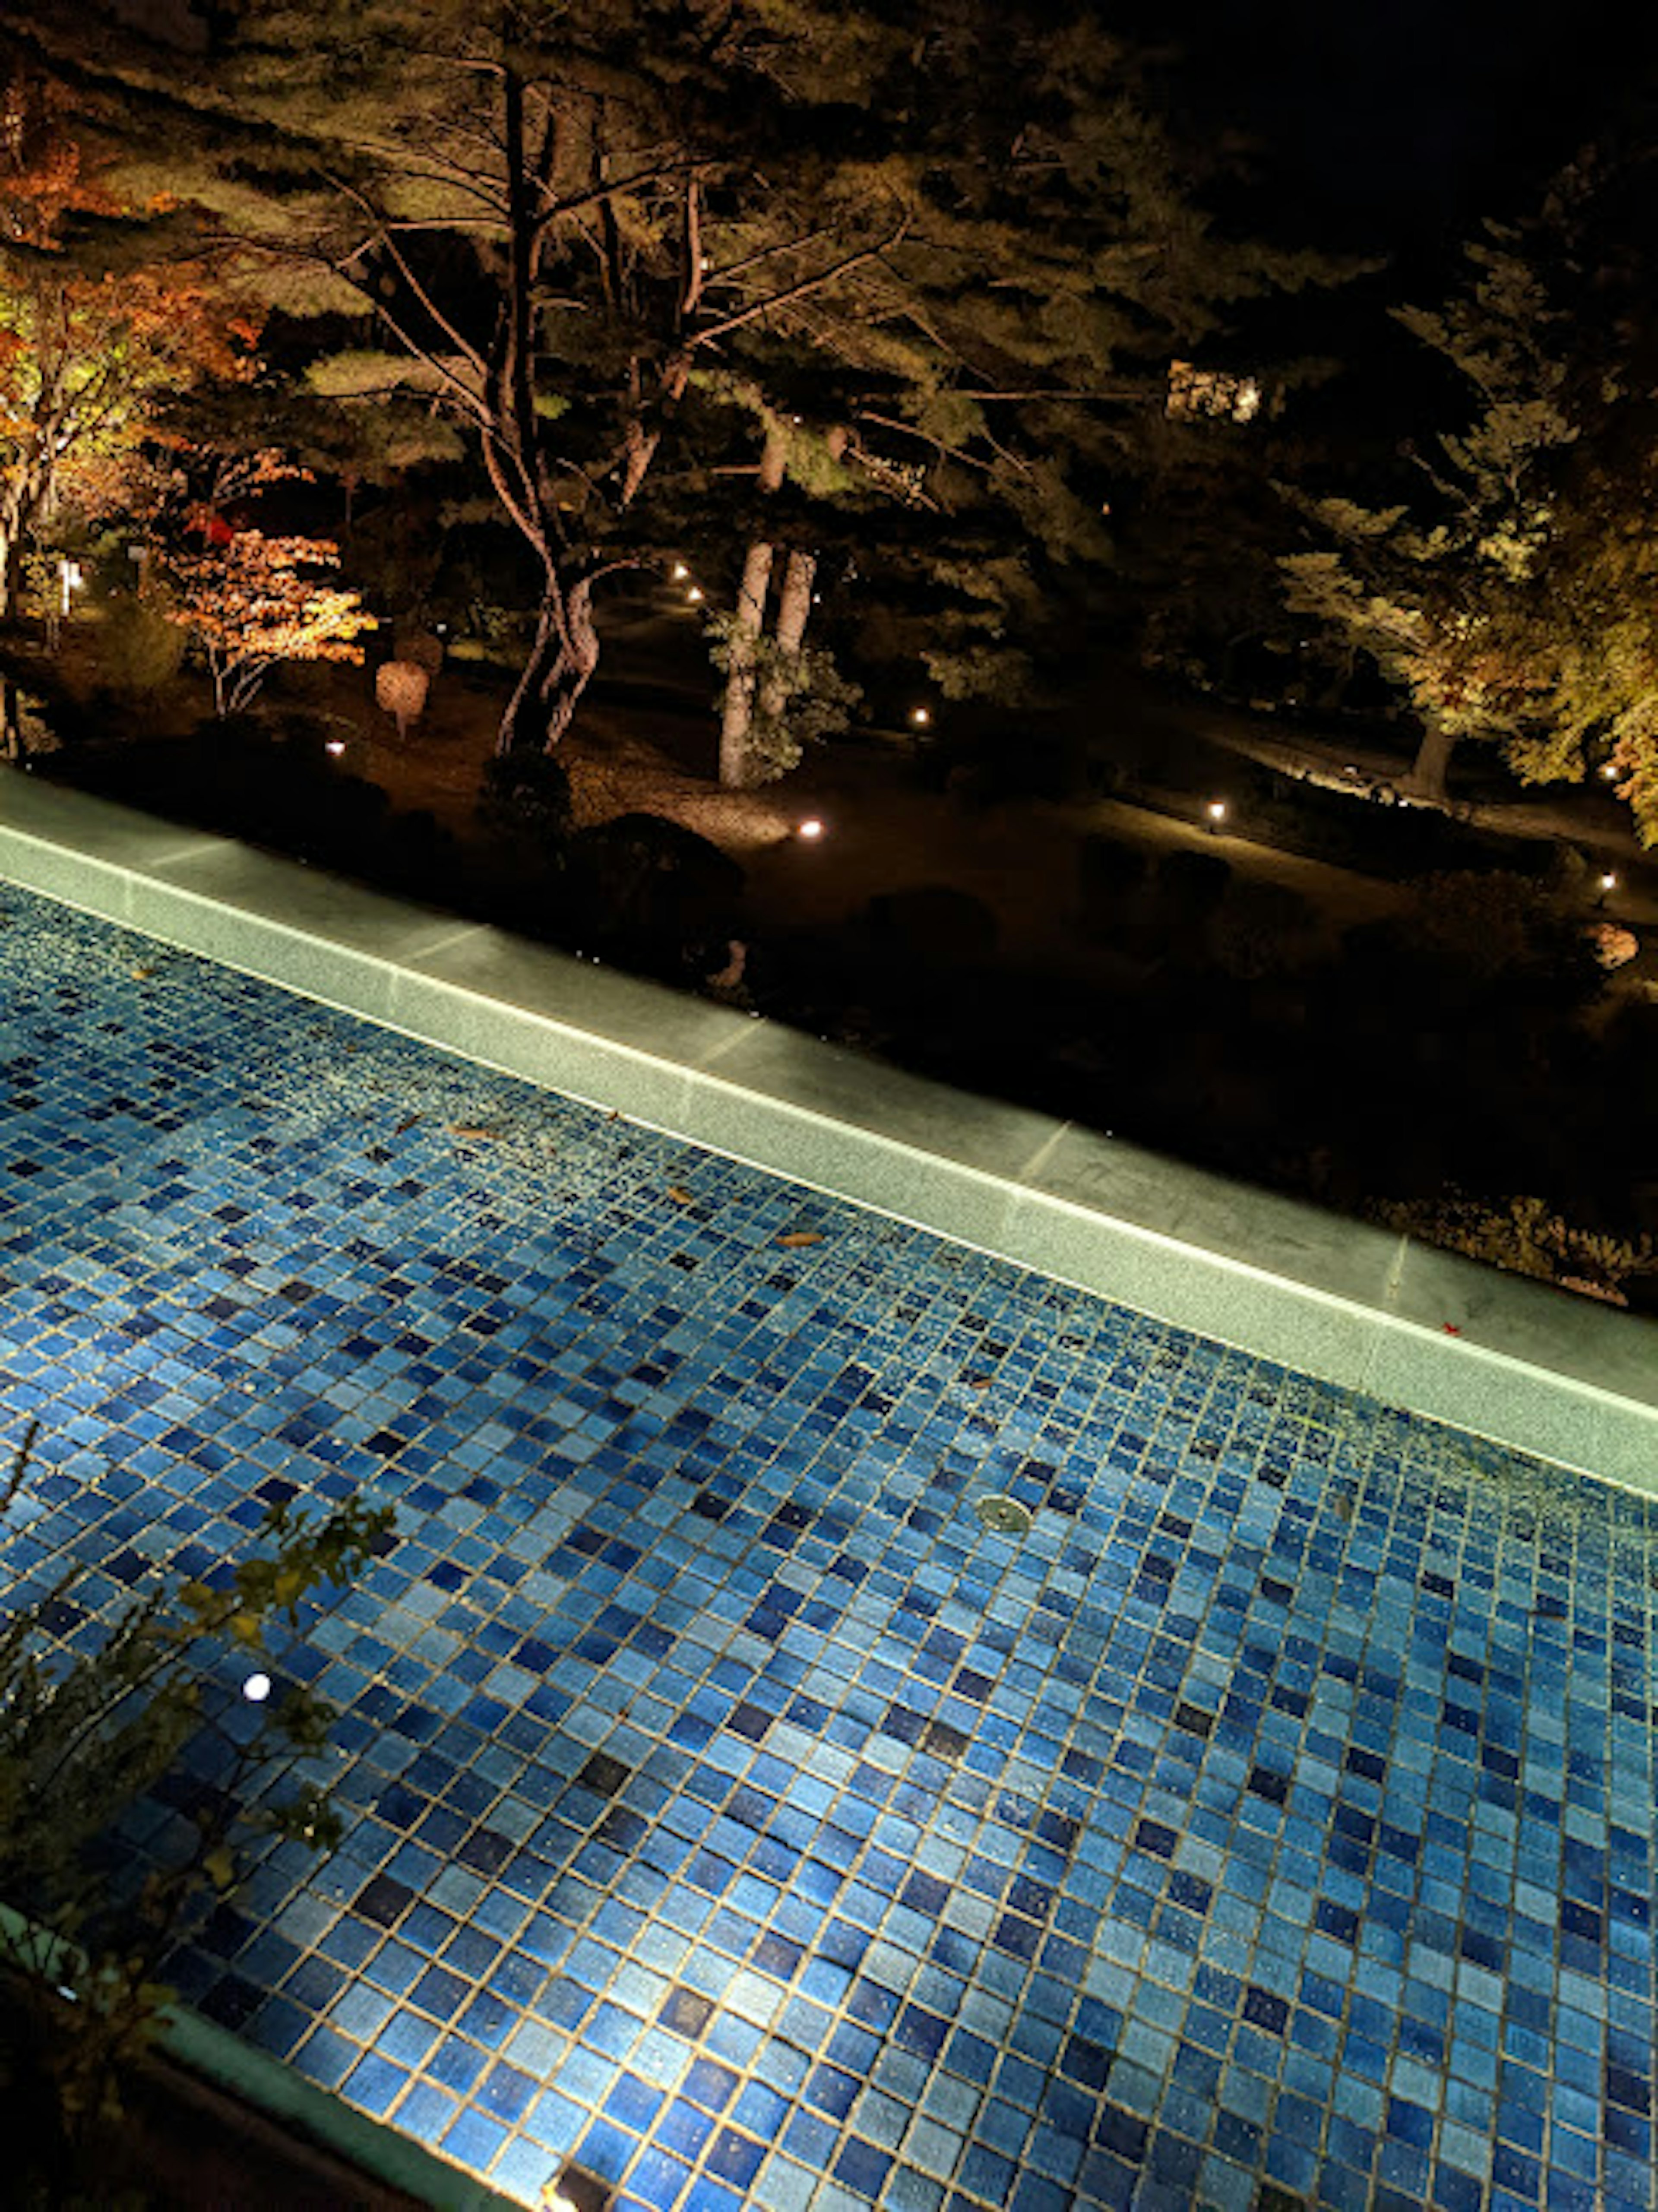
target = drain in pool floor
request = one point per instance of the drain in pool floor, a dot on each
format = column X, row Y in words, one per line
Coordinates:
column 1004, row 1514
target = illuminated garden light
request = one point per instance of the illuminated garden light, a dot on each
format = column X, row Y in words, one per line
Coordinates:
column 256, row 1688
column 694, row 593
column 810, row 829
column 680, row 571
column 1216, row 811
column 1609, row 771
column 920, row 716
column 335, row 745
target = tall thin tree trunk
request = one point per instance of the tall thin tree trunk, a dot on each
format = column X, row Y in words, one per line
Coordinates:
column 793, row 613
column 1427, row 778
column 13, row 743
column 736, row 714
column 749, row 619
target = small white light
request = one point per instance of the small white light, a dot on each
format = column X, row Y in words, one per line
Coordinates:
column 1608, row 881
column 256, row 1688
column 1217, row 809
column 335, row 745
column 920, row 716
column 1609, row 771
column 680, row 571
column 812, row 829
column 694, row 593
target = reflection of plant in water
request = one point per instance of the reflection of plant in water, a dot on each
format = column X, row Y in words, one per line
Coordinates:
column 80, row 1736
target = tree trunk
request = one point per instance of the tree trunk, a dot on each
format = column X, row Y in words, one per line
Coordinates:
column 1433, row 759
column 748, row 618
column 14, row 745
column 560, row 667
column 12, row 521
column 793, row 613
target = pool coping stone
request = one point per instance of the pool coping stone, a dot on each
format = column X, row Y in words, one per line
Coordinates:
column 1540, row 1370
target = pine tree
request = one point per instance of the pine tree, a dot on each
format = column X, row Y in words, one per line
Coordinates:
column 955, row 250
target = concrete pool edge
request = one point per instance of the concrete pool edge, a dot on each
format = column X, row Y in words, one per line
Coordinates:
column 1346, row 1303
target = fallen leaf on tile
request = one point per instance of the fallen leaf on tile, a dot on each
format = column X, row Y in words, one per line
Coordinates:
column 470, row 1132
column 794, row 1237
column 409, row 1121
column 978, row 1382
column 1451, row 1329
column 680, row 1196
column 141, row 975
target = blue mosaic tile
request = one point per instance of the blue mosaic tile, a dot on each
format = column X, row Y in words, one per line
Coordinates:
column 724, row 1807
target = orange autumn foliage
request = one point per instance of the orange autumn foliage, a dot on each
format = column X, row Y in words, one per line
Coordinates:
column 87, row 353
column 248, row 601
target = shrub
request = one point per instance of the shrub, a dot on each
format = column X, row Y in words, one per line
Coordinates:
column 400, row 688
column 524, row 799
column 423, row 648
column 932, row 926
column 1193, row 883
column 81, row 1737
column 1109, row 871
column 140, row 649
column 1524, row 1237
column 651, row 891
column 1263, row 927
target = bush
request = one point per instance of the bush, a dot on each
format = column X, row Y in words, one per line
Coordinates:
column 1193, row 883
column 932, row 926
column 1108, row 870
column 524, row 800
column 1262, row 929
column 139, row 650
column 400, row 688
column 651, row 892
column 82, row 1736
column 1486, row 925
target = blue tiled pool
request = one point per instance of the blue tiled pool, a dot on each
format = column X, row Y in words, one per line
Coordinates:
column 727, row 1809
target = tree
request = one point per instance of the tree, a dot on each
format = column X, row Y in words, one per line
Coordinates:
column 957, row 249
column 80, row 1736
column 1511, row 601
column 102, row 320
column 247, row 600
column 1431, row 587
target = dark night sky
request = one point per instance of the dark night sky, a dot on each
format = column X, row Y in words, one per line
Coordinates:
column 1400, row 123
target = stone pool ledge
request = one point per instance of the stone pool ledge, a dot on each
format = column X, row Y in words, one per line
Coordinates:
column 1412, row 1327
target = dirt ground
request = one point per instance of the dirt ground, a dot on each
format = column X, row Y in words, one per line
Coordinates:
column 645, row 741
column 883, row 830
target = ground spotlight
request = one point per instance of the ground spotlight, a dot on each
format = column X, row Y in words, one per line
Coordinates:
column 810, row 829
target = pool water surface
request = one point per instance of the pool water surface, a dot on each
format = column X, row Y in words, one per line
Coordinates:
column 728, row 1808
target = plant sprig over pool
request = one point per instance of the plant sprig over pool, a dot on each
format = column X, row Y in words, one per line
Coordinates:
column 80, row 1736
